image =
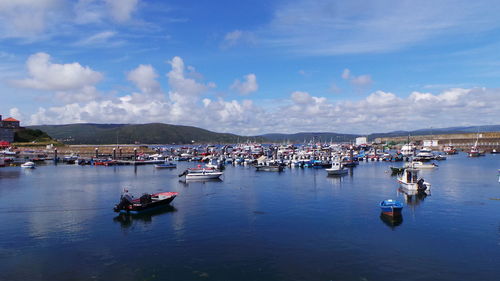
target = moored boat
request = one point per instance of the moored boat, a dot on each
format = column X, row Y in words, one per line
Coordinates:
column 269, row 168
column 337, row 169
column 391, row 207
column 397, row 170
column 166, row 166
column 28, row 165
column 201, row 174
column 449, row 150
column 144, row 203
column 409, row 180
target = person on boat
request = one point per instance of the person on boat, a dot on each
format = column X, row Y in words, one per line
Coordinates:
column 125, row 195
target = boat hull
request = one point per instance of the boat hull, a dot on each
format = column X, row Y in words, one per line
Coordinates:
column 336, row 172
column 205, row 176
column 139, row 208
column 269, row 168
column 391, row 208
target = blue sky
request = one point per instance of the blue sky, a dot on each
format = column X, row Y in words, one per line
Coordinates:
column 252, row 67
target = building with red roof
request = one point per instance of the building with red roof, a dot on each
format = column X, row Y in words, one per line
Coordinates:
column 7, row 129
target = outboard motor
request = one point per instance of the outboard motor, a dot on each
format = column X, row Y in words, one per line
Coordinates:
column 125, row 201
column 420, row 184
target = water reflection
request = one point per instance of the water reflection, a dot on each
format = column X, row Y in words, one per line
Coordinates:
column 128, row 220
column 413, row 197
column 10, row 174
column 391, row 221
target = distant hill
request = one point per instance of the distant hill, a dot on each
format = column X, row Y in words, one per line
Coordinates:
column 31, row 135
column 158, row 133
column 307, row 137
column 153, row 133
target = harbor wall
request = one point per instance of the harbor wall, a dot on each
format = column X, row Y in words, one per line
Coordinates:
column 486, row 141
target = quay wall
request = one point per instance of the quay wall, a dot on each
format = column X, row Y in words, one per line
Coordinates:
column 486, row 140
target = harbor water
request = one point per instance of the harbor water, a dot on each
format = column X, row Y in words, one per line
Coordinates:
column 57, row 223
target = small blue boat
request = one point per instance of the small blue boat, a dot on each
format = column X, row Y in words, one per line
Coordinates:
column 391, row 207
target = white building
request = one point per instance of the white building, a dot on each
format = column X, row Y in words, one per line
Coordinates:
column 430, row 143
column 361, row 140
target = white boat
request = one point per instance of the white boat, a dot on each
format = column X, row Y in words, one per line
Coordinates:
column 28, row 165
column 408, row 150
column 409, row 180
column 421, row 165
column 201, row 174
column 337, row 169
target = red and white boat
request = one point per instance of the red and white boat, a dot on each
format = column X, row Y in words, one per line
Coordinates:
column 146, row 202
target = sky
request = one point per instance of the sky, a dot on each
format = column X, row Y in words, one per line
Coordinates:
column 252, row 67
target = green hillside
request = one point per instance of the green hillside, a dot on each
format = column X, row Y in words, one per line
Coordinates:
column 153, row 133
column 31, row 135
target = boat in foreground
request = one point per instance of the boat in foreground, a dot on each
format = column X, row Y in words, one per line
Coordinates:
column 146, row 202
column 28, row 165
column 391, row 207
column 201, row 174
column 409, row 180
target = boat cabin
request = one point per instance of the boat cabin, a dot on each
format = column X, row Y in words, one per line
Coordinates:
column 411, row 175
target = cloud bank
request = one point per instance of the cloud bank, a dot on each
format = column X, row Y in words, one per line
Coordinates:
column 189, row 101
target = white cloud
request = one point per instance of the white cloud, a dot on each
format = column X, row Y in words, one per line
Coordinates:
column 28, row 18
column 144, row 77
column 346, row 74
column 99, row 38
column 249, row 84
column 360, row 82
column 69, row 82
column 187, row 103
column 37, row 19
column 16, row 113
column 237, row 37
column 121, row 10
column 45, row 75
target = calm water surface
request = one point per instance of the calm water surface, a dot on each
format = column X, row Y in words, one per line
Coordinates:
column 57, row 223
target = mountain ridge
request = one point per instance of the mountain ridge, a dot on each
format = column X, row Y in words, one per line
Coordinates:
column 160, row 133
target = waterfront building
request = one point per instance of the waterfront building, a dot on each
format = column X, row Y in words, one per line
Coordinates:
column 7, row 129
column 361, row 140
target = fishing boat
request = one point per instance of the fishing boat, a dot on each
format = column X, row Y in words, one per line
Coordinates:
column 421, row 165
column 147, row 202
column 337, row 169
column 409, row 180
column 269, row 168
column 397, row 170
column 391, row 207
column 474, row 152
column 201, row 174
column 494, row 151
column 28, row 165
column 408, row 149
column 440, row 157
column 449, row 150
column 166, row 166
